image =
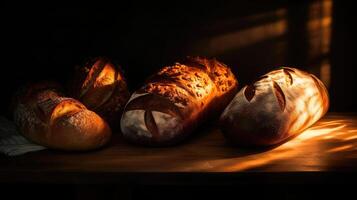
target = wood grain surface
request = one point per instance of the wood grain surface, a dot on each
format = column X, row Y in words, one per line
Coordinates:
column 327, row 151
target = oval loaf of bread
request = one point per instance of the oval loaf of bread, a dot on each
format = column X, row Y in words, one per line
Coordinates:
column 46, row 118
column 176, row 100
column 279, row 105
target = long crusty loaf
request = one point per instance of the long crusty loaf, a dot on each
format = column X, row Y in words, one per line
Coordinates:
column 176, row 100
column 278, row 106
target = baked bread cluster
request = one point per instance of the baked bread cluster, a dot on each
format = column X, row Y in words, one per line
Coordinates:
column 78, row 120
column 169, row 106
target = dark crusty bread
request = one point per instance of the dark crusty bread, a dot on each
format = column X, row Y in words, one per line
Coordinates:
column 176, row 100
column 45, row 117
column 100, row 85
column 278, row 106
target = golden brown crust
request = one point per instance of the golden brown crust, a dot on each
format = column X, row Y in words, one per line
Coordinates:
column 82, row 130
column 220, row 74
column 46, row 118
column 176, row 100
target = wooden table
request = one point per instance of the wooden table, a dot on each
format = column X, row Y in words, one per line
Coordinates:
column 325, row 152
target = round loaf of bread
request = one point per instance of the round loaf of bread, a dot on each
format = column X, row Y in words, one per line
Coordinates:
column 176, row 100
column 278, row 106
column 100, row 85
column 46, row 118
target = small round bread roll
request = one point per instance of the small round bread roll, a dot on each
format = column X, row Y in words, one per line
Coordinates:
column 100, row 85
column 46, row 118
column 278, row 106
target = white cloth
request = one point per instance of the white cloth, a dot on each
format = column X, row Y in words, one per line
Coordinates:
column 12, row 143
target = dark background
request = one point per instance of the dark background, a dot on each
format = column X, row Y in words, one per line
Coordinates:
column 252, row 37
column 45, row 42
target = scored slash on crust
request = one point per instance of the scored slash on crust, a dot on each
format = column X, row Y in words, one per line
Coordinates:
column 288, row 76
column 149, row 105
column 249, row 92
column 150, row 122
column 92, row 76
column 279, row 94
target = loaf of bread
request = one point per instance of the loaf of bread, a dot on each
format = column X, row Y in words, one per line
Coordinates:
column 278, row 106
column 47, row 118
column 100, row 85
column 176, row 100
